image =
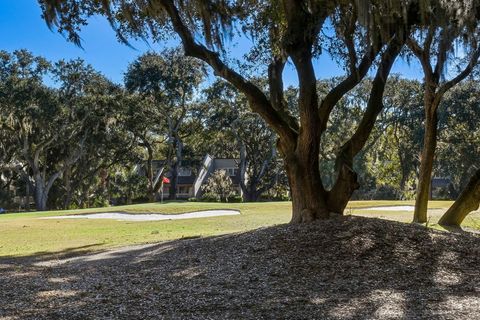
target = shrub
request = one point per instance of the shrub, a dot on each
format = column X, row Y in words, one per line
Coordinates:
column 235, row 199
column 219, row 186
column 210, row 197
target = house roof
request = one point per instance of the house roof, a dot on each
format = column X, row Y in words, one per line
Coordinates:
column 218, row 164
column 186, row 179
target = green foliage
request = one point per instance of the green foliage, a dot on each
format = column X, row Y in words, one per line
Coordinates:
column 459, row 136
column 162, row 88
column 237, row 132
column 127, row 185
column 234, row 199
column 219, row 187
column 62, row 136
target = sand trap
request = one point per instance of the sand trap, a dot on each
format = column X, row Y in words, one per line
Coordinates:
column 120, row 216
column 390, row 208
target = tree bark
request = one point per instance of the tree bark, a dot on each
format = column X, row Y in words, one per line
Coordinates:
column 243, row 168
column 150, row 178
column 426, row 165
column 67, row 181
column 178, row 146
column 308, row 199
column 41, row 196
column 467, row 202
column 27, row 195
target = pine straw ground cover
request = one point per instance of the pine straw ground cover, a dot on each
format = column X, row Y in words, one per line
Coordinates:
column 347, row 268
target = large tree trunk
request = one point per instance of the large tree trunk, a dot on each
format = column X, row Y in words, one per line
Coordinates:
column 467, row 202
column 426, row 165
column 306, row 188
column 41, row 196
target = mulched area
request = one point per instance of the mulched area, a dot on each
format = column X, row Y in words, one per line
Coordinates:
column 347, row 268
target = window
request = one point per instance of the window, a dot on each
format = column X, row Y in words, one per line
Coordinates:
column 231, row 171
column 184, row 172
column 183, row 189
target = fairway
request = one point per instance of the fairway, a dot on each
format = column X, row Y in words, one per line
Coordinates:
column 24, row 234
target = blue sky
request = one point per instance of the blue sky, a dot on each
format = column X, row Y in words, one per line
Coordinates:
column 21, row 27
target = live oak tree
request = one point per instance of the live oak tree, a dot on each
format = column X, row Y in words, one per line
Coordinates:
column 89, row 96
column 363, row 32
column 167, row 83
column 40, row 123
column 23, row 100
column 458, row 146
column 454, row 25
column 59, row 138
column 8, row 176
column 127, row 184
column 459, row 150
column 147, row 127
column 398, row 137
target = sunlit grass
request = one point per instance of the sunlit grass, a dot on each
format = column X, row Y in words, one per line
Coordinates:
column 25, row 233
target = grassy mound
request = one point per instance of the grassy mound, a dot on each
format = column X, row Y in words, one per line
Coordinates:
column 348, row 268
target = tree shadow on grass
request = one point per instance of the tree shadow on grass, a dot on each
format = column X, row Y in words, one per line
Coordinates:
column 348, row 268
column 47, row 255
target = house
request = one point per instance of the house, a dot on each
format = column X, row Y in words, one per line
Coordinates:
column 192, row 175
column 186, row 178
column 17, row 194
column 210, row 165
column 439, row 187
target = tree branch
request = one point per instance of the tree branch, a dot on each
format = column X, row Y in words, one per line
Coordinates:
column 258, row 101
column 422, row 55
column 474, row 59
column 275, row 71
column 375, row 104
column 334, row 95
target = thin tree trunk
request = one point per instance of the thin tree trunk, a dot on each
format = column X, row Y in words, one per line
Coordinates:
column 174, row 168
column 150, row 177
column 68, row 188
column 467, row 202
column 27, row 195
column 403, row 164
column 243, row 169
column 426, row 166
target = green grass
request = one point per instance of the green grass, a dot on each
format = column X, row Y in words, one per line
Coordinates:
column 24, row 234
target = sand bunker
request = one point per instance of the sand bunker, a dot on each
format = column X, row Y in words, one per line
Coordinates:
column 120, row 216
column 390, row 208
